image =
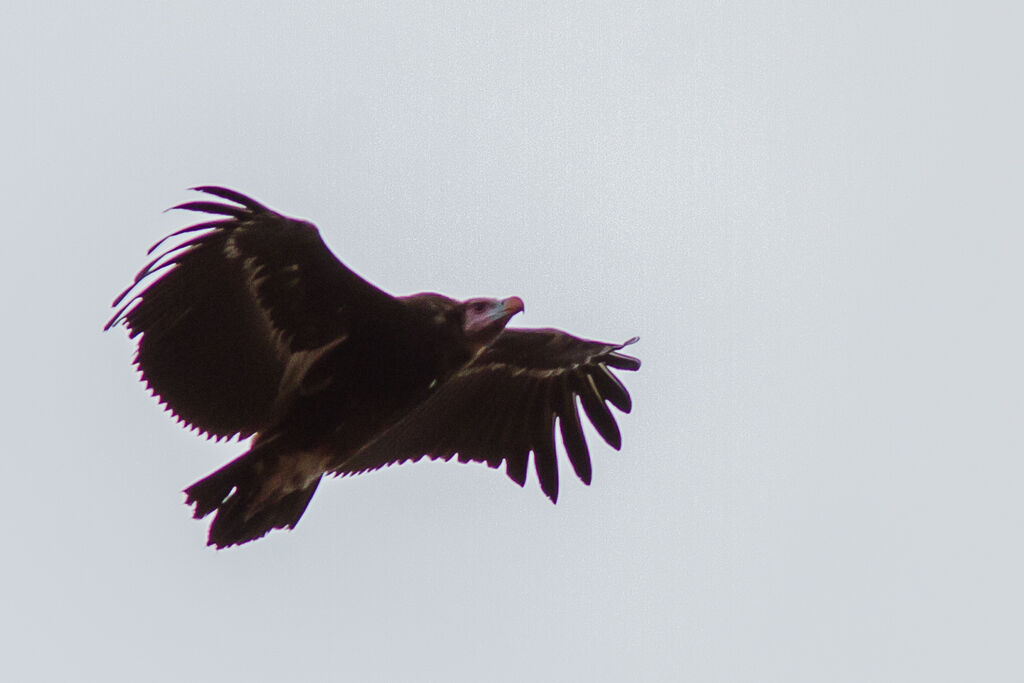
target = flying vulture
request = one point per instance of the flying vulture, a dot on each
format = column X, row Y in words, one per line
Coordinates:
column 249, row 326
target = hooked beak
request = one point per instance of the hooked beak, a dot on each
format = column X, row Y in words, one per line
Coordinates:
column 484, row 326
column 512, row 305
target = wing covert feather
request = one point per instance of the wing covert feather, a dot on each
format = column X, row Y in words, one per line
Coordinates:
column 504, row 406
column 222, row 313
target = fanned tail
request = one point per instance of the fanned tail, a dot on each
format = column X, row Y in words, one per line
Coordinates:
column 252, row 495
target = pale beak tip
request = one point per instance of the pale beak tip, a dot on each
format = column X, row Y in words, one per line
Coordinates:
column 514, row 304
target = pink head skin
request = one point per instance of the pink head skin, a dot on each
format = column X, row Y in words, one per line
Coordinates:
column 484, row 319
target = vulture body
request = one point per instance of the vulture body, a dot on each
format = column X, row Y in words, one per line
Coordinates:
column 249, row 326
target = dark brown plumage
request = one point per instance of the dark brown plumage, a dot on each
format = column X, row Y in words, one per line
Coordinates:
column 251, row 327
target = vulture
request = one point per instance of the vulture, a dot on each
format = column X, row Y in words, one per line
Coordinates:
column 248, row 326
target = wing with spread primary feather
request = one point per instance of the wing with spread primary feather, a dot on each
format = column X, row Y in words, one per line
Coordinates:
column 504, row 406
column 243, row 302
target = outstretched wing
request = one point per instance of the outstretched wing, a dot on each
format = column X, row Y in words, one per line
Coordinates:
column 226, row 316
column 504, row 405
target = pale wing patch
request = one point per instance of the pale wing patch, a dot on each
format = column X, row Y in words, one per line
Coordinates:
column 516, row 371
column 256, row 275
column 297, row 363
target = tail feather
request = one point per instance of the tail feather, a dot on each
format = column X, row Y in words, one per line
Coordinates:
column 247, row 503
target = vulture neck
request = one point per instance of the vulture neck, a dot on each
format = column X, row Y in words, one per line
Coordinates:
column 444, row 318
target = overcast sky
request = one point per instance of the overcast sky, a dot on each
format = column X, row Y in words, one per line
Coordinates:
column 809, row 213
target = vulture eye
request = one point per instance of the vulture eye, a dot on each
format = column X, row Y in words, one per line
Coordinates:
column 479, row 307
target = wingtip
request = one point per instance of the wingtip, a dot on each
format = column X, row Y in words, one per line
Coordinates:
column 232, row 196
column 208, row 189
column 624, row 360
column 212, row 207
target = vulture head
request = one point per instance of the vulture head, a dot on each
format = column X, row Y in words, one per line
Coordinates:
column 484, row 319
column 473, row 324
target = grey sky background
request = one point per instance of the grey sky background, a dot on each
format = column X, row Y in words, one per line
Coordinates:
column 810, row 214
